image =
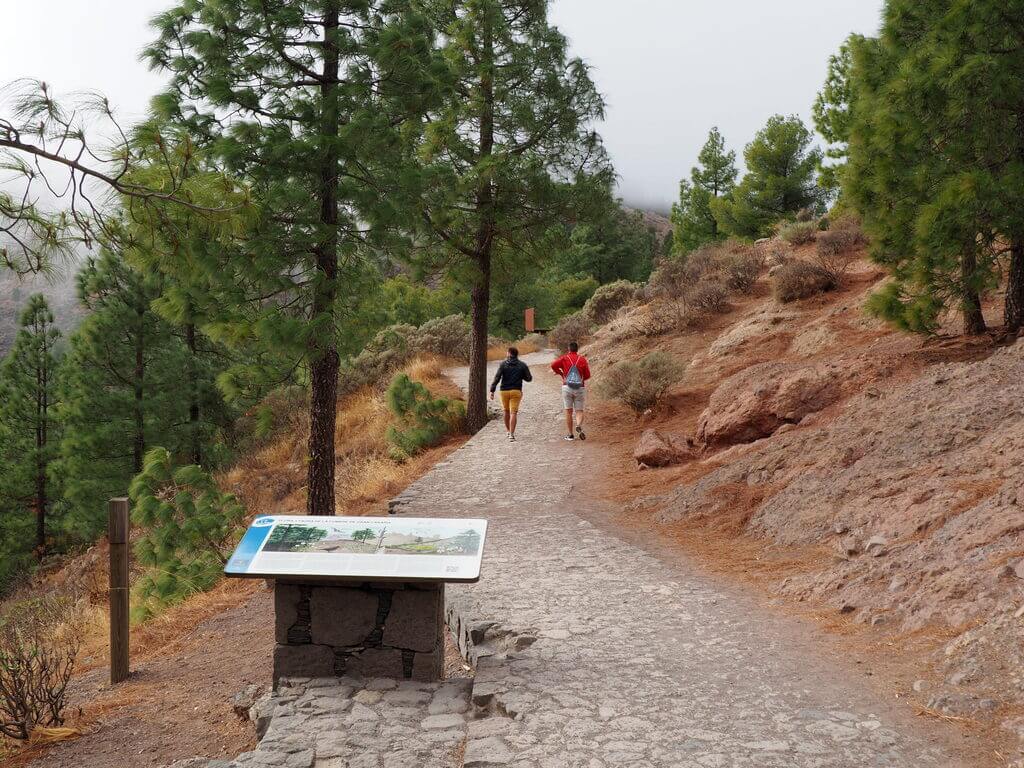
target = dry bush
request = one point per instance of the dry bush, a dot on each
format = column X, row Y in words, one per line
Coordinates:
column 609, row 299
column 639, row 384
column 709, row 296
column 800, row 280
column 740, row 271
column 574, row 327
column 38, row 647
column 674, row 277
column 799, row 232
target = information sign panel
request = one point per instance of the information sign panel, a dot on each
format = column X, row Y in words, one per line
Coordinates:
column 361, row 548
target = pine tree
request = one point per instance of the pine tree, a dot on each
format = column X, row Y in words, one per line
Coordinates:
column 29, row 433
column 509, row 155
column 833, row 114
column 937, row 158
column 693, row 222
column 780, row 180
column 121, row 389
column 303, row 101
column 189, row 526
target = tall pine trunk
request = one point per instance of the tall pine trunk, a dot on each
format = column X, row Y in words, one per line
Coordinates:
column 138, row 386
column 195, row 443
column 323, row 400
column 476, row 400
column 476, row 406
column 41, row 437
column 1013, row 309
column 974, row 320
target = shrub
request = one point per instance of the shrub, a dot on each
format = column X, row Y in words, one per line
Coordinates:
column 575, row 327
column 740, row 271
column 799, row 232
column 37, row 656
column 607, row 300
column 445, row 336
column 708, row 296
column 799, row 280
column 423, row 420
column 837, row 249
column 639, row 384
column 805, row 215
column 189, row 528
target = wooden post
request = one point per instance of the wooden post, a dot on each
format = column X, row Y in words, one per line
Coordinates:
column 530, row 322
column 117, row 532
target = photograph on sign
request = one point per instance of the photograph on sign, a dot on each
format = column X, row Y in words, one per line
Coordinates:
column 355, row 547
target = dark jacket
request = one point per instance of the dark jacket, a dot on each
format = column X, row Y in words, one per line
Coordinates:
column 511, row 373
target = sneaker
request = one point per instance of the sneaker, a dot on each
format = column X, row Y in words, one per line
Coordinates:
column 569, row 437
column 581, row 433
column 511, row 437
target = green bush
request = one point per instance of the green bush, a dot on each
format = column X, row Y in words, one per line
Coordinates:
column 423, row 420
column 445, row 336
column 640, row 384
column 800, row 280
column 189, row 528
column 609, row 299
column 575, row 327
column 799, row 232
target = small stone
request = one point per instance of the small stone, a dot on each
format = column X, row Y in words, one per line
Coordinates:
column 485, row 752
column 920, row 686
column 1019, row 613
column 876, row 546
column 381, row 684
column 878, row 620
column 438, row 722
column 361, row 712
column 1018, row 569
column 840, row 528
column 369, row 698
column 847, row 608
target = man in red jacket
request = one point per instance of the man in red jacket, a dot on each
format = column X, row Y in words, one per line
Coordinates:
column 574, row 370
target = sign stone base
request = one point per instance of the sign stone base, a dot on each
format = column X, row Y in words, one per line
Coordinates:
column 365, row 629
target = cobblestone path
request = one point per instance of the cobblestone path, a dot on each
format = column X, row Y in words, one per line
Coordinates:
column 591, row 652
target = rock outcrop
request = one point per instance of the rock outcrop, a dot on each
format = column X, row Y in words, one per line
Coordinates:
column 758, row 400
column 656, row 449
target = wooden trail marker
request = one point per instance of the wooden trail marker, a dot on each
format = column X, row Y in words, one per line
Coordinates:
column 117, row 532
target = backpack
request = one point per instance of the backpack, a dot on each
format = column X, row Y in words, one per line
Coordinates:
column 573, row 379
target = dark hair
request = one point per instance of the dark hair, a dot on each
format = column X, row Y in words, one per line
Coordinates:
column 574, row 347
column 513, row 352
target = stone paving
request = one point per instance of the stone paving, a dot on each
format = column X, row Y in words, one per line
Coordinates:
column 589, row 652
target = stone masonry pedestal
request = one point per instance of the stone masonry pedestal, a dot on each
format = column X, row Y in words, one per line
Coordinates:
column 363, row 629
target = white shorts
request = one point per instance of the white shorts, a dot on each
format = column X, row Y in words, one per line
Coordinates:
column 573, row 399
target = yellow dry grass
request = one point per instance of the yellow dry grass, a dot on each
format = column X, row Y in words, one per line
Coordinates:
column 272, row 480
column 498, row 352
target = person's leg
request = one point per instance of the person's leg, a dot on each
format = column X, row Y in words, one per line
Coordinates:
column 579, row 412
column 513, row 403
column 567, row 404
column 508, row 420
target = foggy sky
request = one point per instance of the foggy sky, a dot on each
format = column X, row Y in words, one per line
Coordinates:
column 669, row 69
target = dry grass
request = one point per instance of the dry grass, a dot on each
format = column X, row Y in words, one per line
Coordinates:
column 500, row 351
column 273, row 480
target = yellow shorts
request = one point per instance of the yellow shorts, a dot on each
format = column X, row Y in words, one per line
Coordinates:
column 510, row 399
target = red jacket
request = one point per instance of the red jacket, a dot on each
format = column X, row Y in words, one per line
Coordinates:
column 562, row 365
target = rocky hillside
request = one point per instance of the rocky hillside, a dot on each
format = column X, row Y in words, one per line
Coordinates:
column 888, row 465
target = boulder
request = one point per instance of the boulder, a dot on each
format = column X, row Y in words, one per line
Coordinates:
column 758, row 400
column 656, row 449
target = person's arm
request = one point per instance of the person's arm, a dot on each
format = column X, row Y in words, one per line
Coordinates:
column 497, row 377
column 527, row 376
column 556, row 366
column 584, row 367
